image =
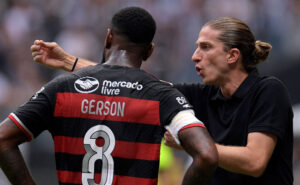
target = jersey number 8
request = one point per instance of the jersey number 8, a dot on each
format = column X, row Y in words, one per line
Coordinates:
column 94, row 153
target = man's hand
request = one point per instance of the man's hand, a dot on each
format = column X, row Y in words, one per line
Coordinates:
column 51, row 55
column 170, row 141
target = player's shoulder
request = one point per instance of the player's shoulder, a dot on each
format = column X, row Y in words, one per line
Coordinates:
column 271, row 82
column 64, row 80
column 87, row 71
column 271, row 88
column 151, row 81
column 152, row 85
column 92, row 71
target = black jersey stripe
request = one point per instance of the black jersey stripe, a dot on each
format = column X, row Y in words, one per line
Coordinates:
column 74, row 178
column 61, row 183
column 122, row 166
column 130, row 132
column 123, row 149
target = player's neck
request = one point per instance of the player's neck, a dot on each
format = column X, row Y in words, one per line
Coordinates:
column 123, row 57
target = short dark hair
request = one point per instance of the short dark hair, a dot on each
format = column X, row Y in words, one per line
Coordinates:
column 135, row 23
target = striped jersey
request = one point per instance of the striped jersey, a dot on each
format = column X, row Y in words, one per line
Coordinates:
column 106, row 121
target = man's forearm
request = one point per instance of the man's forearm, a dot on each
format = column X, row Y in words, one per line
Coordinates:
column 194, row 175
column 198, row 143
column 251, row 159
column 81, row 63
column 13, row 165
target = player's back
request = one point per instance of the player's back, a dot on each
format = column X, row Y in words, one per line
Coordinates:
column 108, row 125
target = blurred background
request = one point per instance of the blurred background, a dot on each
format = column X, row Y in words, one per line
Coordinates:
column 79, row 26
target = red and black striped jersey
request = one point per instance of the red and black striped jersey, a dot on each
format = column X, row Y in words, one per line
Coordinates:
column 106, row 122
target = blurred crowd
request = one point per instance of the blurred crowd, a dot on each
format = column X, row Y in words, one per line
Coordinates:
column 80, row 26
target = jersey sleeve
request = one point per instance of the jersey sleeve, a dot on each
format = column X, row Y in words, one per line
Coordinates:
column 188, row 90
column 272, row 112
column 171, row 103
column 35, row 115
column 183, row 119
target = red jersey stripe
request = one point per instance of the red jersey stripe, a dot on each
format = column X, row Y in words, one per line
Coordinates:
column 20, row 126
column 193, row 125
column 75, row 178
column 123, row 149
column 91, row 106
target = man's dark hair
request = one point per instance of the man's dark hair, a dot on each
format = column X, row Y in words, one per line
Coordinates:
column 135, row 23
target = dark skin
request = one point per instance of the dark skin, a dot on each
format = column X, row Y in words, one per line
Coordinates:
column 11, row 160
column 197, row 143
column 118, row 51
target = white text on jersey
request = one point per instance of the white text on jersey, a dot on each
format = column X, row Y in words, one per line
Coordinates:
column 112, row 87
column 102, row 107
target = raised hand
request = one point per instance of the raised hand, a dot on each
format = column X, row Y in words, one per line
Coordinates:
column 51, row 55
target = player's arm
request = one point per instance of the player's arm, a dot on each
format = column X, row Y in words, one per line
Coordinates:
column 198, row 144
column 196, row 141
column 52, row 55
column 251, row 159
column 11, row 160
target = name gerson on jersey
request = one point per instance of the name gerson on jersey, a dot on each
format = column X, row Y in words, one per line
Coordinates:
column 107, row 123
column 102, row 107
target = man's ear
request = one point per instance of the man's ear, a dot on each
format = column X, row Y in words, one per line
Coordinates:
column 149, row 52
column 233, row 55
column 108, row 39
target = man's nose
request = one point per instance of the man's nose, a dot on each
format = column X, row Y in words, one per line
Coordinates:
column 196, row 56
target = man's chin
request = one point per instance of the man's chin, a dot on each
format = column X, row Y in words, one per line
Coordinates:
column 207, row 82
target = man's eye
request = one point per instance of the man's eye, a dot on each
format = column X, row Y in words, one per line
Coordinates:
column 205, row 46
